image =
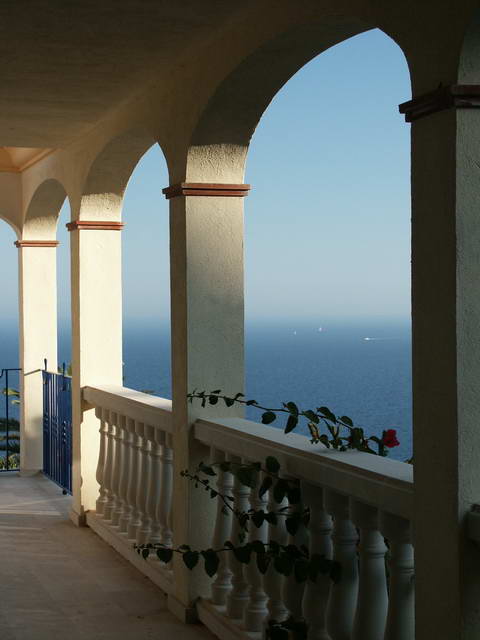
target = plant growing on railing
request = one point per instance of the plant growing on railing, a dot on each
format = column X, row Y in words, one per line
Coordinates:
column 336, row 432
column 340, row 433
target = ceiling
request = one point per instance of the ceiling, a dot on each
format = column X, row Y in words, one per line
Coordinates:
column 65, row 63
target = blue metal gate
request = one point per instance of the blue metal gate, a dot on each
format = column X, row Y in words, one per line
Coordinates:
column 57, row 428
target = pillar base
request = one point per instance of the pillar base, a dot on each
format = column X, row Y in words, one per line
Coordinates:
column 79, row 520
column 187, row 615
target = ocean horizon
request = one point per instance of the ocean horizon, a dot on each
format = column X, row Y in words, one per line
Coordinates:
column 359, row 368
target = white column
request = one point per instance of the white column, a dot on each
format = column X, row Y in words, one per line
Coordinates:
column 316, row 594
column 38, row 341
column 371, row 614
column 446, row 369
column 206, row 236
column 343, row 595
column 96, row 343
column 401, row 592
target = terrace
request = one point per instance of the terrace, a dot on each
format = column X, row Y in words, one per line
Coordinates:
column 87, row 92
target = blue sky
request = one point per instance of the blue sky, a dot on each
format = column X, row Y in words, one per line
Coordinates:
column 328, row 219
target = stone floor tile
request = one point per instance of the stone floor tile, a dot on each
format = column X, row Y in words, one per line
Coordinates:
column 61, row 582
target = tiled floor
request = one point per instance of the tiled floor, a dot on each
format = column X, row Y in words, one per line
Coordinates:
column 60, row 582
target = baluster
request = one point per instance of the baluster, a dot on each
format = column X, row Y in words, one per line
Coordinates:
column 293, row 590
column 238, row 597
column 100, row 475
column 343, row 595
column 109, row 458
column 129, row 478
column 155, row 454
column 316, row 594
column 371, row 613
column 164, row 506
column 144, row 531
column 400, row 617
column 134, row 493
column 222, row 585
column 120, row 468
column 256, row 611
column 273, row 581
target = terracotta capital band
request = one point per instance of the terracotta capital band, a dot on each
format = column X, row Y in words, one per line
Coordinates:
column 206, row 189
column 95, row 225
column 36, row 243
column 460, row 96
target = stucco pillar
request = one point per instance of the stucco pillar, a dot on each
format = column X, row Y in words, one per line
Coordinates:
column 96, row 343
column 206, row 235
column 37, row 271
column 446, row 366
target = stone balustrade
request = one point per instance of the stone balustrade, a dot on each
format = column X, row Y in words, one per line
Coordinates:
column 360, row 515
column 134, row 473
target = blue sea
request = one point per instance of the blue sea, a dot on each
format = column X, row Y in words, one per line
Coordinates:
column 361, row 369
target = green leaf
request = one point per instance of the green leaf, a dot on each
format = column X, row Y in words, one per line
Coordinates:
column 263, row 560
column 291, row 424
column 249, row 403
column 301, row 569
column 265, row 486
column 258, row 518
column 213, row 399
column 292, row 523
column 247, row 476
column 229, row 401
column 165, row 555
column 211, row 562
column 347, row 420
column 190, row 558
column 294, row 495
column 217, row 391
column 280, row 489
column 272, row 464
column 258, row 546
column 292, row 407
column 271, row 518
column 243, row 554
column 239, row 395
column 326, row 413
column 145, row 553
column 312, row 416
column 206, row 469
column 268, row 417
column 324, row 440
column 283, row 564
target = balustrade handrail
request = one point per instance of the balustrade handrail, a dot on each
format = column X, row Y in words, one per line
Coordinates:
column 138, row 406
column 381, row 482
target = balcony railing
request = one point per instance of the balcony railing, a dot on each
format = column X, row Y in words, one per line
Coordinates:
column 360, row 514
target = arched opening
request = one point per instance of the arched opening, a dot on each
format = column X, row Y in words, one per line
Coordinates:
column 9, row 411
column 328, row 240
column 146, row 278
column 123, row 184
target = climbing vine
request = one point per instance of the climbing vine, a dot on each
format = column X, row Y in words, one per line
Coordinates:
column 334, row 432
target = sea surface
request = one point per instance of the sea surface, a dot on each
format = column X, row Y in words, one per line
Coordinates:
column 360, row 369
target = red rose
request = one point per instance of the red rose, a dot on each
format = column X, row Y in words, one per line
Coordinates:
column 390, row 438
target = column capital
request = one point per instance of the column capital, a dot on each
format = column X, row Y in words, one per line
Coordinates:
column 206, row 189
column 35, row 243
column 95, row 225
column 460, row 96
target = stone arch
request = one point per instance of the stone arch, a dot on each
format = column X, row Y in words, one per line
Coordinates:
column 41, row 216
column 220, row 141
column 109, row 174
